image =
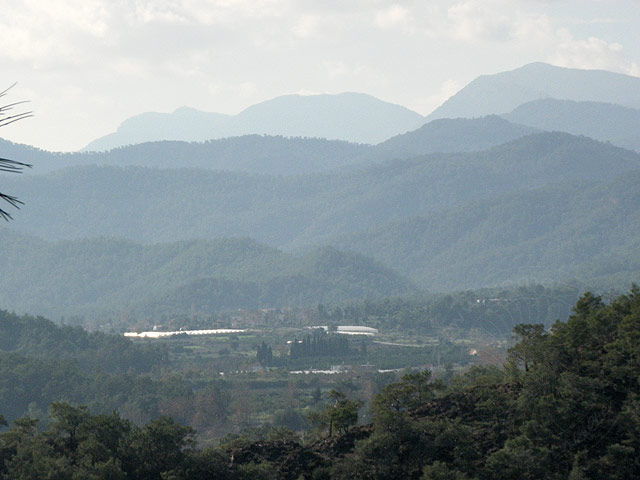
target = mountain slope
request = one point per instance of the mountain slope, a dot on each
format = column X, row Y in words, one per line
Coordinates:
column 153, row 205
column 455, row 135
column 602, row 121
column 502, row 92
column 108, row 276
column 249, row 153
column 353, row 117
column 583, row 230
column 277, row 155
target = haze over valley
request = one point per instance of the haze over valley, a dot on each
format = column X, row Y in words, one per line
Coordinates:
column 336, row 286
column 451, row 204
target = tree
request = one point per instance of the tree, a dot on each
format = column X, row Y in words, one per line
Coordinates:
column 158, row 450
column 264, row 355
column 412, row 391
column 340, row 413
column 7, row 165
column 529, row 349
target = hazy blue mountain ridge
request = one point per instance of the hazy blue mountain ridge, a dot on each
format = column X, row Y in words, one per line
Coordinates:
column 502, row 92
column 455, row 135
column 542, row 207
column 602, row 121
column 355, row 117
column 277, row 155
column 153, row 205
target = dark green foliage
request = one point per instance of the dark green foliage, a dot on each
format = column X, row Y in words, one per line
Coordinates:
column 320, row 344
column 338, row 415
column 157, row 449
column 28, row 383
column 41, row 338
column 264, row 354
column 114, row 277
column 41, row 362
column 564, row 406
column 560, row 409
column 82, row 446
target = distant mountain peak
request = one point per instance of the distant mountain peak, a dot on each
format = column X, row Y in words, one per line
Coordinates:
column 502, row 92
column 351, row 116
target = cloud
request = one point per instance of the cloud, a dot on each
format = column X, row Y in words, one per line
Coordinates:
column 591, row 53
column 473, row 21
column 109, row 59
column 393, row 16
column 518, row 26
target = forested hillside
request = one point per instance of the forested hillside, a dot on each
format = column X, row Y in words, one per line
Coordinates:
column 455, row 135
column 587, row 231
column 249, row 154
column 513, row 213
column 602, row 121
column 152, row 205
column 41, row 362
column 278, row 155
column 563, row 406
column 107, row 276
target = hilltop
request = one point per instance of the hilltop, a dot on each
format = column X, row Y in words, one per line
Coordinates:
column 354, row 117
column 109, row 276
column 502, row 92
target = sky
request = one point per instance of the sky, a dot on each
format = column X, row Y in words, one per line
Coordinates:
column 87, row 65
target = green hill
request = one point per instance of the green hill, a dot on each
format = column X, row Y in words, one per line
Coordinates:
column 602, row 121
column 455, row 135
column 277, row 155
column 108, row 276
column 249, row 153
column 153, row 205
column 589, row 231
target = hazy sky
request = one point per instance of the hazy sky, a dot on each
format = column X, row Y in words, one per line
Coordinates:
column 86, row 65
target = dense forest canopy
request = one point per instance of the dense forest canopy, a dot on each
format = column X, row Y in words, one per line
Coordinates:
column 565, row 405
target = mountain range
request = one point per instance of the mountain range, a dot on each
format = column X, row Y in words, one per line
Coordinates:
column 277, row 155
column 544, row 207
column 503, row 92
column 606, row 122
column 452, row 203
column 361, row 118
column 353, row 117
column 152, row 205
